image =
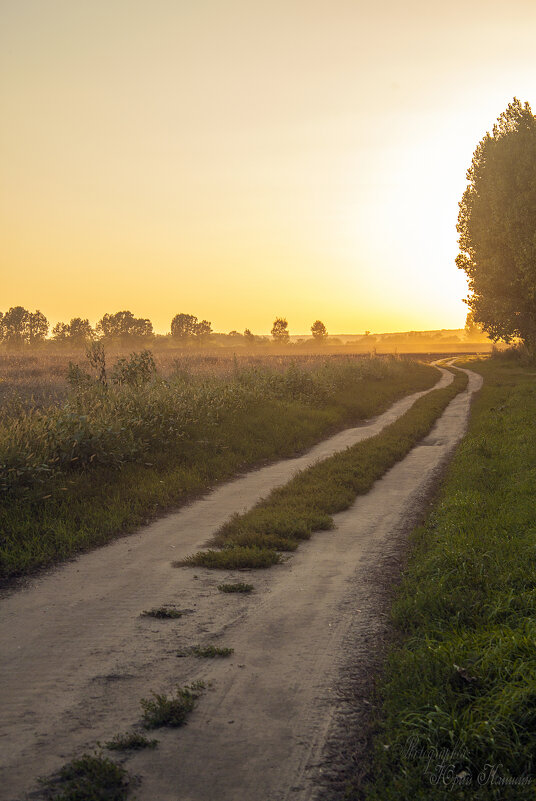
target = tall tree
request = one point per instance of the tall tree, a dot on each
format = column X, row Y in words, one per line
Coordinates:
column 203, row 331
column 22, row 327
column 319, row 331
column 497, row 227
column 124, row 326
column 37, row 327
column 78, row 332
column 183, row 327
column 279, row 331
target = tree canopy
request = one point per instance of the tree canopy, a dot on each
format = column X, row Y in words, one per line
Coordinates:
column 18, row 326
column 497, row 228
column 279, row 332
column 319, row 331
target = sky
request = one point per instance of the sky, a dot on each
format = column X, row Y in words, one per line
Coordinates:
column 242, row 160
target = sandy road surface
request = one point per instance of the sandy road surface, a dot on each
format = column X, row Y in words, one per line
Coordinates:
column 76, row 657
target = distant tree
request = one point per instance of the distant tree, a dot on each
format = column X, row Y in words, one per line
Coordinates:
column 124, row 326
column 78, row 332
column 202, row 331
column 183, row 327
column 279, row 331
column 249, row 337
column 497, row 228
column 37, row 327
column 22, row 327
column 319, row 331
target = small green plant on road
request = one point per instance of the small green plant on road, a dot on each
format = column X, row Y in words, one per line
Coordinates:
column 89, row 778
column 130, row 741
column 239, row 587
column 163, row 710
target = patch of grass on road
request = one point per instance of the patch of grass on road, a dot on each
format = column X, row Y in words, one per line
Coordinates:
column 210, row 651
column 163, row 710
column 162, row 613
column 89, row 778
column 74, row 477
column 458, row 719
column 131, row 741
column 306, row 504
column 239, row 587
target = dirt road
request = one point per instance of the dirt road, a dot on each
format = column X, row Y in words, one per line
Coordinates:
column 76, row 656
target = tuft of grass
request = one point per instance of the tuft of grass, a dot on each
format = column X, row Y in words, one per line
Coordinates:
column 460, row 679
column 163, row 710
column 130, row 741
column 162, row 613
column 234, row 557
column 240, row 586
column 89, row 778
column 306, row 504
column 210, row 651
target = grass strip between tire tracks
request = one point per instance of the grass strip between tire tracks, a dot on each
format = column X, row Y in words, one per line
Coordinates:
column 457, row 715
column 306, row 504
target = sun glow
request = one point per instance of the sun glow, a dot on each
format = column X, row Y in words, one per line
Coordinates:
column 247, row 163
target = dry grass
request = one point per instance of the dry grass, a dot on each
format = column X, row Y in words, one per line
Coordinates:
column 39, row 377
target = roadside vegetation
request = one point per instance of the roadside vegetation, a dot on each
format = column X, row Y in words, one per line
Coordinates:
column 458, row 696
column 306, row 504
column 128, row 443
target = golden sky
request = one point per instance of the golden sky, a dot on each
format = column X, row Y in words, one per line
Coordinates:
column 243, row 159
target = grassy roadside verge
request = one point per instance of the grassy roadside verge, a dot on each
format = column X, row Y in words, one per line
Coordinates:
column 458, row 695
column 306, row 504
column 88, row 503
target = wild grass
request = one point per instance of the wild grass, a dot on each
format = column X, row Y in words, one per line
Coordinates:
column 210, row 651
column 239, row 587
column 306, row 504
column 163, row 710
column 162, row 613
column 130, row 741
column 109, row 459
column 458, row 714
column 89, row 778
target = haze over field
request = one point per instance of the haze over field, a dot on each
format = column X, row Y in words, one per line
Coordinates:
column 241, row 160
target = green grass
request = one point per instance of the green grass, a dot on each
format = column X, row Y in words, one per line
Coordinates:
column 131, row 741
column 89, row 778
column 233, row 557
column 76, row 477
column 239, row 587
column 306, row 504
column 162, row 613
column 210, row 651
column 461, row 675
column 163, row 710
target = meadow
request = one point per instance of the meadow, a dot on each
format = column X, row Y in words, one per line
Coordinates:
column 97, row 452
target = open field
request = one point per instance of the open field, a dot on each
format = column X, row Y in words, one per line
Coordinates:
column 458, row 700
column 84, row 666
column 77, row 473
column 38, row 377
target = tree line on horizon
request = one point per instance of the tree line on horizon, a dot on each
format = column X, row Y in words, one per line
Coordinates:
column 20, row 327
